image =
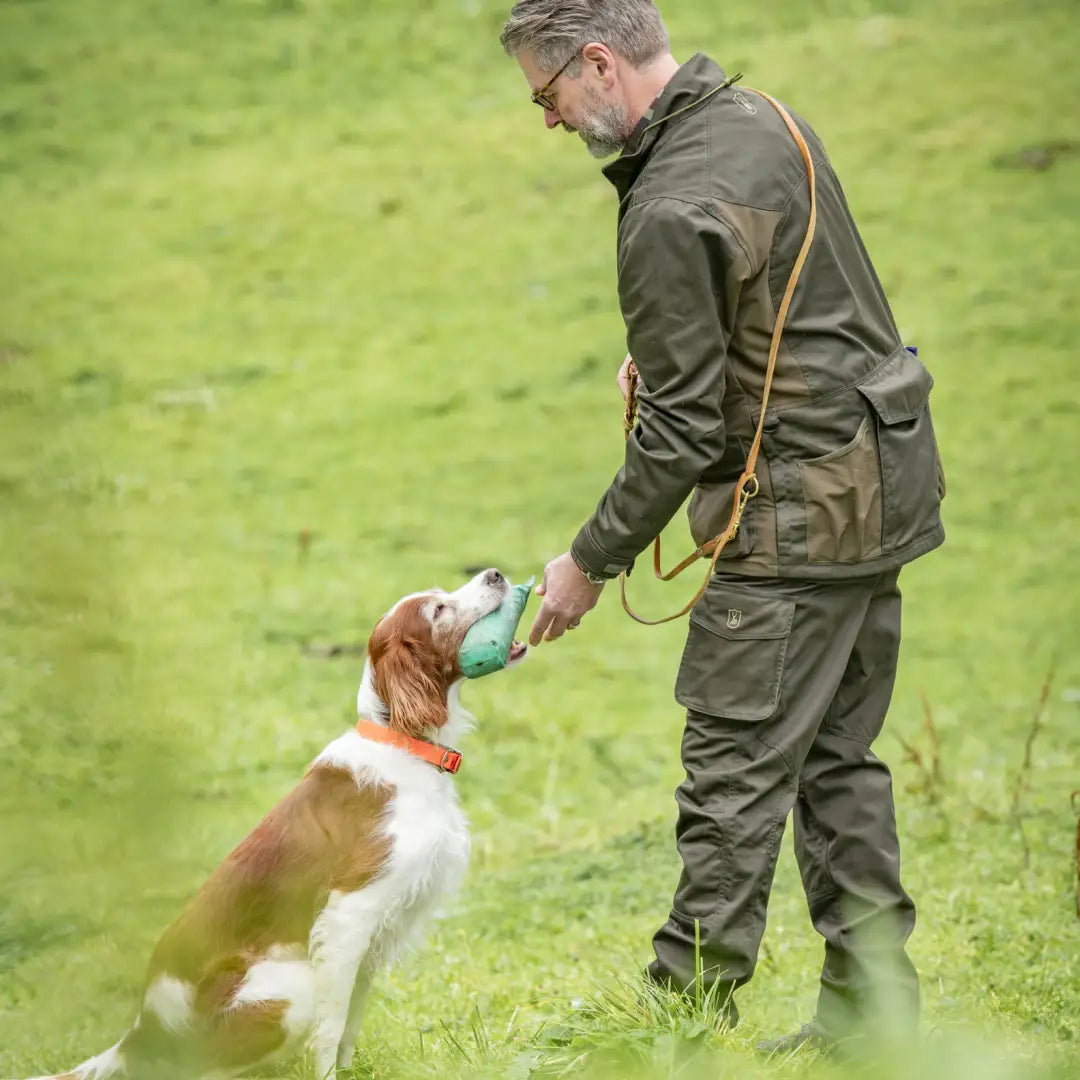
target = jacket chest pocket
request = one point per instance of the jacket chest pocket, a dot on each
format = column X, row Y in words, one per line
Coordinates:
column 912, row 481
column 734, row 656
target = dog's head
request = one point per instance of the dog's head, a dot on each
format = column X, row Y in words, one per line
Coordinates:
column 412, row 655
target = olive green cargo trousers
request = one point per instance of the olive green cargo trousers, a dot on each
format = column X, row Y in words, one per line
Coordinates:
column 787, row 684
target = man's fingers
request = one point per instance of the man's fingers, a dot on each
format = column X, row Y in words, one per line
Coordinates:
column 556, row 628
column 550, row 624
column 540, row 624
column 566, row 596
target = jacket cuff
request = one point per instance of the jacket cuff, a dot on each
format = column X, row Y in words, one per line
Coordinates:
column 592, row 558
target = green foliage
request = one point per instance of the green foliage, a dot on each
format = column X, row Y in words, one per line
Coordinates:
column 300, row 311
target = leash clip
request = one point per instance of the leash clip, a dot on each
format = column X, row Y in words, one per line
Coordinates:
column 746, row 493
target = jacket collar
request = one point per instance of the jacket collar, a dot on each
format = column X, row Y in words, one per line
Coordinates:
column 690, row 84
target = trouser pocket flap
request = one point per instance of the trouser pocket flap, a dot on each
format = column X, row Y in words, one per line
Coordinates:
column 757, row 617
column 734, row 654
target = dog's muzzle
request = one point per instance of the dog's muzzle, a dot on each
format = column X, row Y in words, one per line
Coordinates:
column 489, row 643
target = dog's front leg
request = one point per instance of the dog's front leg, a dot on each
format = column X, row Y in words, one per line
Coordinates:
column 356, row 1013
column 339, row 941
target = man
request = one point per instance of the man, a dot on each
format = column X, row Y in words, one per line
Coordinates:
column 791, row 652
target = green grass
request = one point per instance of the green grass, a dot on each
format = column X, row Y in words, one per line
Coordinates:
column 272, row 268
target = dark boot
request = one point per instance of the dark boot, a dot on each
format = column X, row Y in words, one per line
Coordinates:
column 808, row 1035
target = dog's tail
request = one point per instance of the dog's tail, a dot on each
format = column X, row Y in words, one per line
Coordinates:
column 107, row 1066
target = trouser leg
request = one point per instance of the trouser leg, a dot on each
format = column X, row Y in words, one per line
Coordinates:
column 732, row 808
column 846, row 842
column 762, row 663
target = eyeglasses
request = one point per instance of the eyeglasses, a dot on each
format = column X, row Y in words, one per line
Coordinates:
column 541, row 97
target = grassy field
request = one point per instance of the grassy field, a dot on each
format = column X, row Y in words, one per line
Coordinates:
column 300, row 310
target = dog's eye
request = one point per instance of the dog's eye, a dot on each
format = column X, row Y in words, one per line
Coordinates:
column 439, row 609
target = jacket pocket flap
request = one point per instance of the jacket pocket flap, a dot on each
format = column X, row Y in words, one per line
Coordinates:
column 737, row 616
column 897, row 389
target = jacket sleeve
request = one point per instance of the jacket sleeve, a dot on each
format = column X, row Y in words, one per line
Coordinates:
column 680, row 271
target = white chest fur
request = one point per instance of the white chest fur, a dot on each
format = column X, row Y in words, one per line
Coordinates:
column 426, row 825
column 359, row 932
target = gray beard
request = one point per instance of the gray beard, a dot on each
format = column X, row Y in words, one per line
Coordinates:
column 604, row 129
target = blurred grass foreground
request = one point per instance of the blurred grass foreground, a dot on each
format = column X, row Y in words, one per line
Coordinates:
column 301, row 310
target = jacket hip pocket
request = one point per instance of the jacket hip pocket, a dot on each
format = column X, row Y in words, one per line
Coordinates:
column 912, row 480
column 734, row 656
column 842, row 497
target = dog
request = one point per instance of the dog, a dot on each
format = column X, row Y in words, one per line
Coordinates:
column 278, row 949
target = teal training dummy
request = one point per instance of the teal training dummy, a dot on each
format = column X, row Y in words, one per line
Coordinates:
column 488, row 643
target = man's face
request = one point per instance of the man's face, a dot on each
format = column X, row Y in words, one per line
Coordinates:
column 587, row 105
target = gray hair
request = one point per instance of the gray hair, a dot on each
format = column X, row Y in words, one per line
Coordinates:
column 553, row 29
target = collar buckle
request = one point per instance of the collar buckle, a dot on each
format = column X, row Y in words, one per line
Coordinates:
column 450, row 761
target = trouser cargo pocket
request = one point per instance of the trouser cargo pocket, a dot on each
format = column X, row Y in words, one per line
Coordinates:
column 734, row 655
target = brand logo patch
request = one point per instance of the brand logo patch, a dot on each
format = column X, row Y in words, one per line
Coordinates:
column 744, row 102
column 734, row 618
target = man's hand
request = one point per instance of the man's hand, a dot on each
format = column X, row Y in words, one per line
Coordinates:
column 623, row 378
column 567, row 596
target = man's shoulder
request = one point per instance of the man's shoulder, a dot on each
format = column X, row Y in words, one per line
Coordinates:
column 651, row 214
column 663, row 230
column 736, row 150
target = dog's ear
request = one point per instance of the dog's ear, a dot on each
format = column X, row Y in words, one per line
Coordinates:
column 409, row 687
column 408, row 673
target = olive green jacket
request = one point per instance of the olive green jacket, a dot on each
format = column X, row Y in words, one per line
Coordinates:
column 714, row 203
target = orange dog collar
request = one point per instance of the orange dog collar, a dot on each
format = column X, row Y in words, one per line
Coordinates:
column 442, row 757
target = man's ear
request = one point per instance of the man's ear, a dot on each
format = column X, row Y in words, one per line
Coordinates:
column 406, row 681
column 602, row 60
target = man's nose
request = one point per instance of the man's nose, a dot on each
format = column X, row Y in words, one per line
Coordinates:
column 552, row 118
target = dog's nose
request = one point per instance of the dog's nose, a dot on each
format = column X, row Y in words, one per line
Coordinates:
column 493, row 577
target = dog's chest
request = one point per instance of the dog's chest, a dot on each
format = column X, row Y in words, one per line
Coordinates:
column 427, row 830
column 430, row 842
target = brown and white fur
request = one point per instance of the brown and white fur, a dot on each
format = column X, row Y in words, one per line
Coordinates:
column 278, row 949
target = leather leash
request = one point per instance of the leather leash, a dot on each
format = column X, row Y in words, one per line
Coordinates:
column 748, row 485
